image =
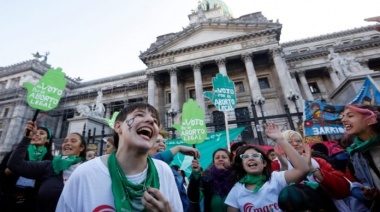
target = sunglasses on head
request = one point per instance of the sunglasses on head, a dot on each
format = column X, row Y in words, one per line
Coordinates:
column 252, row 155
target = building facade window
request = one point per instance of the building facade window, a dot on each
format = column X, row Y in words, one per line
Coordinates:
column 264, row 83
column 239, row 87
column 6, row 111
column 193, row 95
column 314, row 87
column 168, row 99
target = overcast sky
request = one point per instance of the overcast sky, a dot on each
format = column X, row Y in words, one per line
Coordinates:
column 99, row 38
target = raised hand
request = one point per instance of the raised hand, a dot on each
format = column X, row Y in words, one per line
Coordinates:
column 273, row 131
column 307, row 155
column 32, row 128
column 189, row 151
column 195, row 166
column 224, row 95
column 193, row 127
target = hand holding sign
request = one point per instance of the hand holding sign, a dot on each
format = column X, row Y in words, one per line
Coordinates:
column 193, row 128
column 48, row 91
column 224, row 95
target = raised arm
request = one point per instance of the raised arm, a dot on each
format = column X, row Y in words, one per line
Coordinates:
column 185, row 150
column 17, row 162
column 300, row 167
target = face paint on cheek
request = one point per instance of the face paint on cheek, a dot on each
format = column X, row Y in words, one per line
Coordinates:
column 130, row 122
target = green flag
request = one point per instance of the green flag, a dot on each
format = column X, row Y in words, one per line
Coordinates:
column 213, row 142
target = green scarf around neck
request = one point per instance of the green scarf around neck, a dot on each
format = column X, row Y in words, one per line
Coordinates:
column 36, row 154
column 125, row 191
column 361, row 146
column 61, row 162
column 259, row 180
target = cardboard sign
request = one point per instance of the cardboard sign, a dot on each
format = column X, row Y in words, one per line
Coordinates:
column 46, row 94
column 224, row 95
column 193, row 128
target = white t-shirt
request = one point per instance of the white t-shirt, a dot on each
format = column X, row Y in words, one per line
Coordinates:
column 264, row 200
column 89, row 188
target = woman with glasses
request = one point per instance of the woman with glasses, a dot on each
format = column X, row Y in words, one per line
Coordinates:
column 257, row 187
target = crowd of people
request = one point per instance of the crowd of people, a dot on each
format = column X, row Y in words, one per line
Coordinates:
column 136, row 173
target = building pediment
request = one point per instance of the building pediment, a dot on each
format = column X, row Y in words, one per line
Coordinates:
column 210, row 33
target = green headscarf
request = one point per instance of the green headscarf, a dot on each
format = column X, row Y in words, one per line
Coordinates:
column 36, row 154
column 125, row 191
column 361, row 146
column 61, row 162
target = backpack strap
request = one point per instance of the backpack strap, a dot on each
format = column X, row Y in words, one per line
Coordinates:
column 371, row 163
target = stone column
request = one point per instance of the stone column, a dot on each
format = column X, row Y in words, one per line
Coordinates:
column 222, row 66
column 252, row 77
column 9, row 83
column 305, row 86
column 58, row 129
column 334, row 77
column 151, row 88
column 294, row 81
column 174, row 88
column 18, row 117
column 198, row 84
column 282, row 72
column 108, row 111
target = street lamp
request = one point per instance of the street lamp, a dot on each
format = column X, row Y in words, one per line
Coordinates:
column 294, row 96
column 257, row 125
column 260, row 100
column 172, row 113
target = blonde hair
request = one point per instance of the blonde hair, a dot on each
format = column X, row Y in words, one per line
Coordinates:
column 164, row 133
column 290, row 133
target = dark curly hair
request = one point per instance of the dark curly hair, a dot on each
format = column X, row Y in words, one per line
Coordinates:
column 237, row 165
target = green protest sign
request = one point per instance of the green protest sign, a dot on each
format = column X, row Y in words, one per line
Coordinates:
column 111, row 122
column 46, row 94
column 193, row 128
column 224, row 95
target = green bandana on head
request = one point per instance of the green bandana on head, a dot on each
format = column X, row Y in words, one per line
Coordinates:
column 36, row 154
column 361, row 146
column 125, row 191
column 61, row 162
column 259, row 180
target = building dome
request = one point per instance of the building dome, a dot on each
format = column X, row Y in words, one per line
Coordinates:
column 210, row 4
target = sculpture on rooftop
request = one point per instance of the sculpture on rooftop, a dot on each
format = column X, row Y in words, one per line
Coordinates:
column 95, row 111
column 37, row 56
column 338, row 64
column 347, row 65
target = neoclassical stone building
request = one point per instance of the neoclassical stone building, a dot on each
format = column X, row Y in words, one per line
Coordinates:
column 181, row 65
